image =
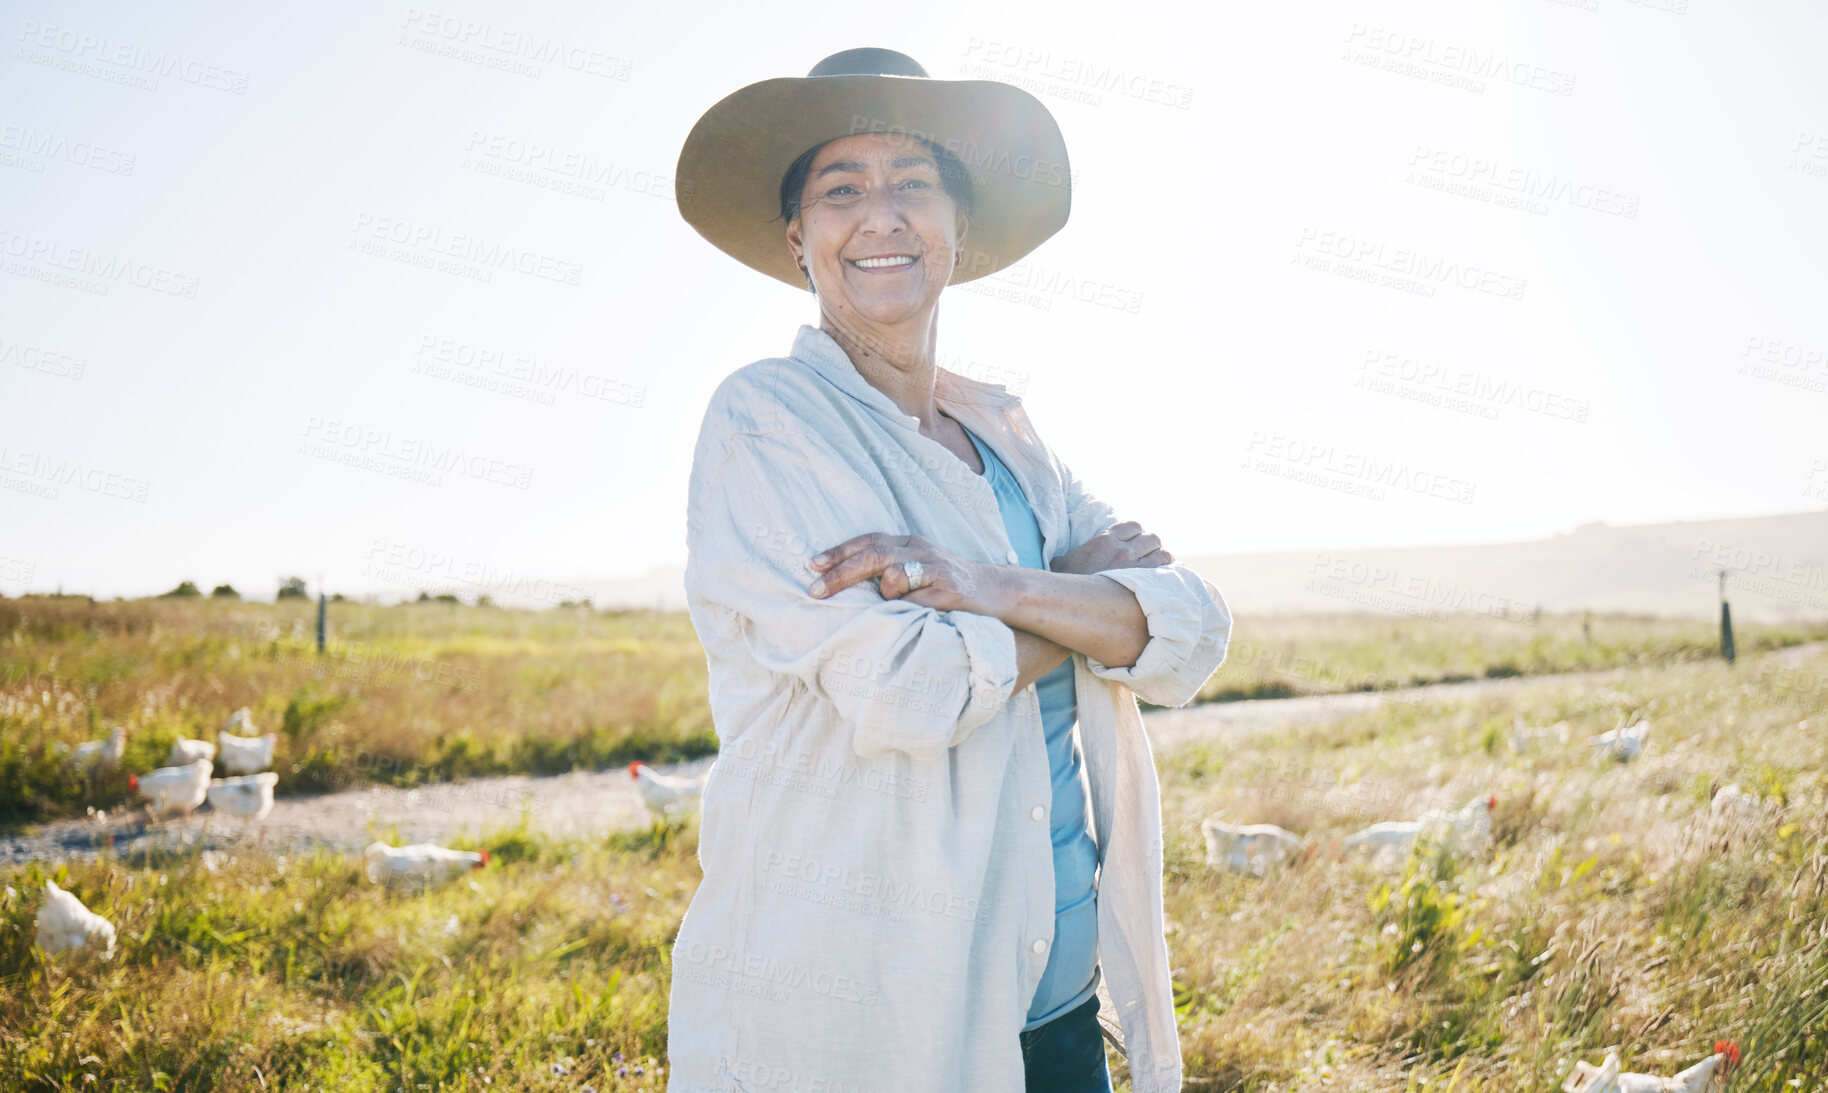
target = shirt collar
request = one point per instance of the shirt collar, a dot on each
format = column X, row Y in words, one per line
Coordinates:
column 817, row 349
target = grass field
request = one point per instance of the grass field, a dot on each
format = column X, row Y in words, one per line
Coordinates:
column 1608, row 913
column 419, row 693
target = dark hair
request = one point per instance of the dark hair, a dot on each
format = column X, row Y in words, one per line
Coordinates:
column 952, row 178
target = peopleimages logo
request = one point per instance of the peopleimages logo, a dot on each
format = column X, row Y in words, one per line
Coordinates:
column 1420, row 267
column 976, row 158
column 121, row 62
column 472, row 252
column 1348, row 471
column 93, row 271
column 329, row 438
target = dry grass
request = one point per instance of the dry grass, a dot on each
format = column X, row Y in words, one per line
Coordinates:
column 1610, row 913
column 1278, row 656
column 1607, row 914
column 404, row 695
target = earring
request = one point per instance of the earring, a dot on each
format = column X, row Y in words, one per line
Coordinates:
column 958, row 259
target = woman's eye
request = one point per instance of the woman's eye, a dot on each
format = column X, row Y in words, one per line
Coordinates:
column 845, row 190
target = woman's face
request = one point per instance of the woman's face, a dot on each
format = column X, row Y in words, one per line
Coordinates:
column 877, row 230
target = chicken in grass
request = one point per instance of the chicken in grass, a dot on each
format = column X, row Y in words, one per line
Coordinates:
column 97, row 755
column 249, row 797
column 1733, row 804
column 65, row 924
column 665, row 794
column 185, row 750
column 1527, row 738
column 1608, row 1078
column 420, row 865
column 244, row 754
column 1466, row 831
column 174, row 790
column 1249, row 848
column 1624, row 742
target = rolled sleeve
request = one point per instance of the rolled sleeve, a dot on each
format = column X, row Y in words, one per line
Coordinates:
column 1189, row 629
column 1189, row 620
column 906, row 677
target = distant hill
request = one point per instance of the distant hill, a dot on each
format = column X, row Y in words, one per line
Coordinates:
column 1777, row 569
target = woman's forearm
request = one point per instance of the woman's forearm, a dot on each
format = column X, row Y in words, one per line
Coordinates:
column 1035, row 657
column 1085, row 613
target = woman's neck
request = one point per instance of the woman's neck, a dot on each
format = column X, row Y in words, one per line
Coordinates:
column 899, row 361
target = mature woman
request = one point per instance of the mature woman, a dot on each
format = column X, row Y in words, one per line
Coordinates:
column 932, row 839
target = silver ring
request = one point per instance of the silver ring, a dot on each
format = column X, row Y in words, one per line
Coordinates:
column 915, row 573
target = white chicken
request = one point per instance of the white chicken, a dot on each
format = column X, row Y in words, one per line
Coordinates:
column 1607, row 1078
column 1467, row 830
column 1249, row 848
column 1734, row 804
column 178, row 790
column 185, row 751
column 245, row 754
column 1623, row 743
column 1526, row 739
column 664, row 794
column 104, row 754
column 250, row 796
column 418, row 865
column 242, row 719
column 64, row 924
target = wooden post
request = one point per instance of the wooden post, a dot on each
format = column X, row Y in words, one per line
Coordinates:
column 320, row 621
column 1726, row 622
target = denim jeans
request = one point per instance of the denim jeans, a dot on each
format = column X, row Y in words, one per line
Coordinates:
column 1066, row 1055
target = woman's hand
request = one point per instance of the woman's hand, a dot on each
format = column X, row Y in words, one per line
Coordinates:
column 1125, row 546
column 949, row 582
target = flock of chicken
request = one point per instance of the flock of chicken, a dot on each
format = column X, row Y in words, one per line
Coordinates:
column 182, row 786
column 187, row 780
column 1255, row 849
column 179, row 788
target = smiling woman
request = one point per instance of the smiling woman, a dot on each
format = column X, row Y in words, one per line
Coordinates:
column 937, row 160
column 932, row 839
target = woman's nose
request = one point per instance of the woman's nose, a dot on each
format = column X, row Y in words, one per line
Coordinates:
column 883, row 211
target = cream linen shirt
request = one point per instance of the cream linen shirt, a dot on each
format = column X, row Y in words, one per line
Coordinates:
column 878, row 893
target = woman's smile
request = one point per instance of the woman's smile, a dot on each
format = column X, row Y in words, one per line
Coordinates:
column 887, row 264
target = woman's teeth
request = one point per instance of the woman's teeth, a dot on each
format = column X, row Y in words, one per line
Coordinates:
column 884, row 263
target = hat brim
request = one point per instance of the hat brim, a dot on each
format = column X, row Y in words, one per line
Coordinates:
column 728, row 182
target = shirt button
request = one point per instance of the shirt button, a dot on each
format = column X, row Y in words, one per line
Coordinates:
column 1013, row 557
column 1037, row 813
column 1039, row 946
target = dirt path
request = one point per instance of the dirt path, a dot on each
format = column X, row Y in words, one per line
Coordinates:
column 592, row 804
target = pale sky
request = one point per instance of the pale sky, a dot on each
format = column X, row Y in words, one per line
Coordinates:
column 1619, row 209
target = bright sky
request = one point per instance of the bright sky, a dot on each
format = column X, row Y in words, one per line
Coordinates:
column 1604, row 221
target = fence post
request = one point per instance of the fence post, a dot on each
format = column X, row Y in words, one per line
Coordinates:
column 1726, row 622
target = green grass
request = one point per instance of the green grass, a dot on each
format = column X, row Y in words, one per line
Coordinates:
column 247, row 970
column 1282, row 656
column 404, row 695
column 418, row 693
column 1604, row 915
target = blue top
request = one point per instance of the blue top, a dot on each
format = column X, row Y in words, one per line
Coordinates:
column 1072, row 970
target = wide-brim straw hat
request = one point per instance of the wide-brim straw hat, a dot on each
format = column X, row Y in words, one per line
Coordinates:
column 728, row 181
